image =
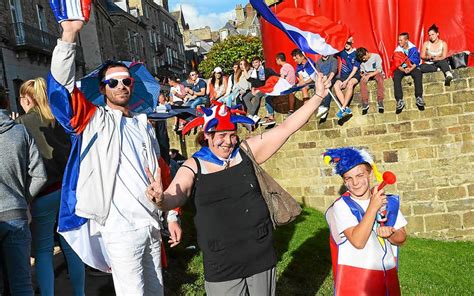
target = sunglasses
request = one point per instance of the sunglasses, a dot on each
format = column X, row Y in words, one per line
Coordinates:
column 112, row 83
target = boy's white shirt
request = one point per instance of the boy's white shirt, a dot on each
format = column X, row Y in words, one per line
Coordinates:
column 340, row 218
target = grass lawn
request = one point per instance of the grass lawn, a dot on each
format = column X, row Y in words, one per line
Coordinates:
column 426, row 267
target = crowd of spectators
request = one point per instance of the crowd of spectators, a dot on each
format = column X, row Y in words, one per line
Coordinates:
column 346, row 69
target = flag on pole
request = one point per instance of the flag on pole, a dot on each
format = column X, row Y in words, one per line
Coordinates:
column 312, row 34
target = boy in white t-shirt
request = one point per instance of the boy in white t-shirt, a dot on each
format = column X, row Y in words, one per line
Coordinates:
column 364, row 250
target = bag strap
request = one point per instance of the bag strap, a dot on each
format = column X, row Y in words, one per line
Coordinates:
column 249, row 153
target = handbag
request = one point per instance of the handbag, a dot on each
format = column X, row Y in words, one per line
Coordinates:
column 282, row 206
column 459, row 60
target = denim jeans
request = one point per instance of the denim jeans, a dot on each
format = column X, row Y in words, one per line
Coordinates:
column 269, row 105
column 15, row 238
column 135, row 258
column 193, row 103
column 44, row 211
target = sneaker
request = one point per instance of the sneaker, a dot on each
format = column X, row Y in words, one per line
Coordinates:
column 449, row 77
column 269, row 121
column 365, row 109
column 381, row 107
column 348, row 111
column 340, row 114
column 400, row 106
column 255, row 119
column 420, row 103
column 345, row 118
column 323, row 118
column 322, row 110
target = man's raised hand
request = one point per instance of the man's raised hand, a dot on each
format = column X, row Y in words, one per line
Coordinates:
column 154, row 191
column 68, row 10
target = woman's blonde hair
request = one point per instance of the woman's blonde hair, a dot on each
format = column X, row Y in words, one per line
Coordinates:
column 36, row 90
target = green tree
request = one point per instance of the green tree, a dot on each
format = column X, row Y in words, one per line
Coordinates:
column 225, row 53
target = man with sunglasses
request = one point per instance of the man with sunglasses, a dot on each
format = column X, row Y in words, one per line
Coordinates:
column 104, row 214
column 197, row 91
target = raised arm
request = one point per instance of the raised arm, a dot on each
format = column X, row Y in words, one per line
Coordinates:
column 63, row 67
column 68, row 104
column 265, row 145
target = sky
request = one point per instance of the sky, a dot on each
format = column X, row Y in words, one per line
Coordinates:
column 201, row 13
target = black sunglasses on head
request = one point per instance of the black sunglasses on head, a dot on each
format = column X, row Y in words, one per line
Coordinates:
column 112, row 83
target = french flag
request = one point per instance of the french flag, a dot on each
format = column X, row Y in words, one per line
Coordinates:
column 312, row 34
column 277, row 86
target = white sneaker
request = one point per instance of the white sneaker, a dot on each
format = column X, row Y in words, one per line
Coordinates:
column 256, row 119
column 322, row 110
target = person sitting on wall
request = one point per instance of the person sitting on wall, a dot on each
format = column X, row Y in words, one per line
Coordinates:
column 370, row 69
column 287, row 72
column 406, row 61
column 434, row 53
column 257, row 75
column 328, row 66
column 305, row 71
column 347, row 79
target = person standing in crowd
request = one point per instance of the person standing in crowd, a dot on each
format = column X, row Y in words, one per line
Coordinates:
column 234, row 229
column 217, row 84
column 197, row 91
column 435, row 52
column 370, row 69
column 327, row 65
column 22, row 175
column 113, row 226
column 347, row 79
column 257, row 76
column 287, row 72
column 305, row 71
column 405, row 62
column 54, row 147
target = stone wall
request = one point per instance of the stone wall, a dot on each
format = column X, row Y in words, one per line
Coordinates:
column 431, row 152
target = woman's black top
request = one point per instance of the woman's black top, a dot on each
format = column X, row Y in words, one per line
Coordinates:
column 233, row 224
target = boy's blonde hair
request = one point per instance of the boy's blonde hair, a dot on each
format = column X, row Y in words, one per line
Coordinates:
column 36, row 90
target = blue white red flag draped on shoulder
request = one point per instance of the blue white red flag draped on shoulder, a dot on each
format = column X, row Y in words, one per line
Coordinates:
column 312, row 34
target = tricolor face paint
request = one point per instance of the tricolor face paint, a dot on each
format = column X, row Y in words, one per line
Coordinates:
column 222, row 143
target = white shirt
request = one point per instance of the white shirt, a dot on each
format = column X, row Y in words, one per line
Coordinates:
column 176, row 89
column 130, row 208
column 376, row 255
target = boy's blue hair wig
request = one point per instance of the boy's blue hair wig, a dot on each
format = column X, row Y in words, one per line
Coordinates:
column 346, row 158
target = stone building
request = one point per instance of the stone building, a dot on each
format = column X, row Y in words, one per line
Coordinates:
column 99, row 36
column 28, row 34
column 164, row 41
column 245, row 23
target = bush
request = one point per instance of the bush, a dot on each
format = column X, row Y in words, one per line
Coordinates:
column 233, row 49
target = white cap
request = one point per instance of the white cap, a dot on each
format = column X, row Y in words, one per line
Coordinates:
column 217, row 70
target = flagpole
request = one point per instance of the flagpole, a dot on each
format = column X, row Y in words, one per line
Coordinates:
column 314, row 68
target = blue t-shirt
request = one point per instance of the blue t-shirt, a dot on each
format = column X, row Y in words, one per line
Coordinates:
column 200, row 84
column 348, row 61
column 306, row 69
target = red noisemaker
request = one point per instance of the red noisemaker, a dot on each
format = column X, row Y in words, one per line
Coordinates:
column 389, row 178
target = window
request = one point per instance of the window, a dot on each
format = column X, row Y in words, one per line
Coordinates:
column 145, row 9
column 41, row 18
column 155, row 66
column 15, row 9
column 129, row 37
